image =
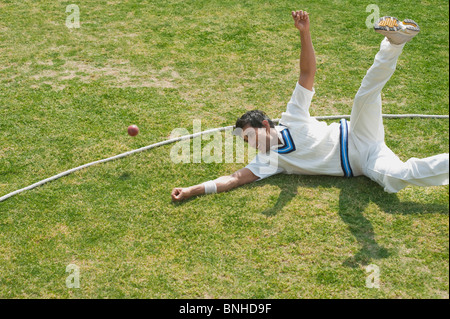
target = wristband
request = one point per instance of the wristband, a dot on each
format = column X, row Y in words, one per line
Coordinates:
column 210, row 187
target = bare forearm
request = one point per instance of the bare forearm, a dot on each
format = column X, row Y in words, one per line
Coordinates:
column 307, row 55
column 225, row 183
column 222, row 184
column 196, row 190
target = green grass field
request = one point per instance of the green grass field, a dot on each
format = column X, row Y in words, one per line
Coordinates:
column 68, row 95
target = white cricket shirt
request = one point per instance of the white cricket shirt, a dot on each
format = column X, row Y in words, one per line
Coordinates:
column 309, row 147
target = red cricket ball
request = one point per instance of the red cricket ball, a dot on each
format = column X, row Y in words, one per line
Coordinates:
column 133, row 130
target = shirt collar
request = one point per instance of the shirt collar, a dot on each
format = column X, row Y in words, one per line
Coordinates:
column 279, row 129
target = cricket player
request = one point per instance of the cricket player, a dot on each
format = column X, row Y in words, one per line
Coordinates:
column 302, row 145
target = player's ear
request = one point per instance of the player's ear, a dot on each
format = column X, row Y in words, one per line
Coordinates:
column 266, row 125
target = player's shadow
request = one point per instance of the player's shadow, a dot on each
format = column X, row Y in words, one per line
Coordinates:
column 355, row 194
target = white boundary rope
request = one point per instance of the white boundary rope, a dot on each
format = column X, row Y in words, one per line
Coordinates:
column 173, row 140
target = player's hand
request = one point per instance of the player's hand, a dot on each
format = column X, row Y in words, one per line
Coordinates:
column 301, row 20
column 179, row 194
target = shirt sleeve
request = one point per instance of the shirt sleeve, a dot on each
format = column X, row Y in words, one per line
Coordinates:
column 298, row 107
column 264, row 166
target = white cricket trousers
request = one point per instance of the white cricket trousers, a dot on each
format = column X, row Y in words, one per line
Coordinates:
column 376, row 160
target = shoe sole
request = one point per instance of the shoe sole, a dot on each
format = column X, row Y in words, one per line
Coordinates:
column 411, row 25
column 395, row 31
column 387, row 24
column 393, row 24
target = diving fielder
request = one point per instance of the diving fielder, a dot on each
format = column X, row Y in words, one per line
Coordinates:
column 302, row 145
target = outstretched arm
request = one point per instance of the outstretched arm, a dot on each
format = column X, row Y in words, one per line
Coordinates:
column 307, row 55
column 223, row 184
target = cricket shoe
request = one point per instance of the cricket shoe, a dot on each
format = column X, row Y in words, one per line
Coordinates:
column 397, row 32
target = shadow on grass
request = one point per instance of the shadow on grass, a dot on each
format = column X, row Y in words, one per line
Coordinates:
column 125, row 176
column 355, row 195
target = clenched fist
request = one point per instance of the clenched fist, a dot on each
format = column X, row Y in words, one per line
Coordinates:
column 301, row 20
column 179, row 194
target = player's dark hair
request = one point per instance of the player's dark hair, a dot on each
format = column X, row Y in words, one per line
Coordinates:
column 254, row 118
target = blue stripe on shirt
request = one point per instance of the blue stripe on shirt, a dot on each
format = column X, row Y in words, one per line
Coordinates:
column 345, row 163
column 289, row 145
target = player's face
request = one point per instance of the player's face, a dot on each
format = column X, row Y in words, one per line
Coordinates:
column 257, row 138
